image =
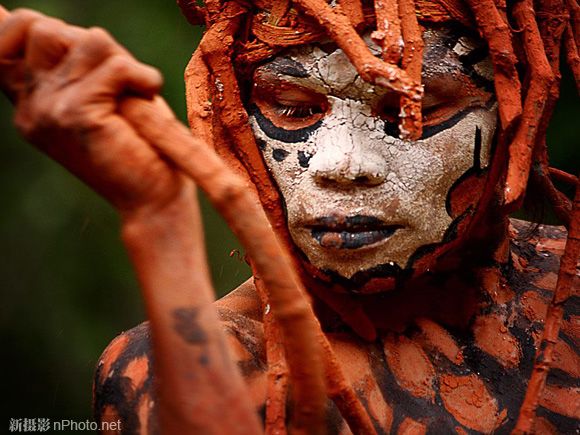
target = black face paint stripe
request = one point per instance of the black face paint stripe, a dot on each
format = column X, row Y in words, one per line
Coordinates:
column 289, row 67
column 477, row 149
column 446, row 125
column 281, row 134
column 392, row 129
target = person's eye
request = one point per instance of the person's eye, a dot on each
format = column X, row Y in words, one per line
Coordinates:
column 299, row 111
column 291, row 108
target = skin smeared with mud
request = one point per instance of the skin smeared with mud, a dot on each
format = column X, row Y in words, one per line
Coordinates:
column 357, row 196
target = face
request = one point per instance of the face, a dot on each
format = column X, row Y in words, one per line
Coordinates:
column 357, row 197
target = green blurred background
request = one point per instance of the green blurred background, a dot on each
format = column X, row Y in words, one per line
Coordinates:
column 66, row 286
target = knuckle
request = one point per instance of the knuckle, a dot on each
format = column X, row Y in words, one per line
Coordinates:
column 101, row 35
column 120, row 65
column 39, row 28
column 62, row 113
column 43, row 27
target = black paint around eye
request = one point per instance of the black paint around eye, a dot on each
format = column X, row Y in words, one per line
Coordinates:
column 445, row 125
column 281, row 134
column 279, row 154
column 261, row 143
column 289, row 67
column 304, row 159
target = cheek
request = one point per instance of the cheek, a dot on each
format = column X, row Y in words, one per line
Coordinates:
column 465, row 146
column 286, row 162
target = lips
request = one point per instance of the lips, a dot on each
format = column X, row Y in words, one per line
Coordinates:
column 351, row 232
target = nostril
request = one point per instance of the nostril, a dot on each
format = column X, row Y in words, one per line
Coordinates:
column 368, row 180
column 362, row 179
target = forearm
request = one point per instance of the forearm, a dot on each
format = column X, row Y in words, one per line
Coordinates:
column 196, row 380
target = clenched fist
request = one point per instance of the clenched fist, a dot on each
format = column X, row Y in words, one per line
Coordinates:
column 66, row 83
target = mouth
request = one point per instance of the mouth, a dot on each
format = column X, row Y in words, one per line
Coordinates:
column 351, row 232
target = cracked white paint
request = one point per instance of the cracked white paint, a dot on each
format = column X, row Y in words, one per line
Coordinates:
column 403, row 183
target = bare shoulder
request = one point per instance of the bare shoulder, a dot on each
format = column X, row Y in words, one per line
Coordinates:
column 124, row 383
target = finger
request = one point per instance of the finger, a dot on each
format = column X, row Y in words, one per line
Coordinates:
column 14, row 32
column 48, row 42
column 3, row 13
column 90, row 50
column 122, row 74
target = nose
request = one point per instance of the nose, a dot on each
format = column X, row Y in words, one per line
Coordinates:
column 347, row 159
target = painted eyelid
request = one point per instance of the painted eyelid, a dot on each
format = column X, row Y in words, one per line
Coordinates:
column 269, row 80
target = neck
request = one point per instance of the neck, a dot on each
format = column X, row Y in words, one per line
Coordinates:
column 463, row 285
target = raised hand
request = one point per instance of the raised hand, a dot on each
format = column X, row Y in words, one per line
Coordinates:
column 66, row 83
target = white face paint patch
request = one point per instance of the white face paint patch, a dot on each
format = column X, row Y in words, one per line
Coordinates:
column 357, row 196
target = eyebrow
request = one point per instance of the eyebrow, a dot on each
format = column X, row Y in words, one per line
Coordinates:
column 289, row 67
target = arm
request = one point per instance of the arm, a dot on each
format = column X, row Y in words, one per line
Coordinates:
column 66, row 84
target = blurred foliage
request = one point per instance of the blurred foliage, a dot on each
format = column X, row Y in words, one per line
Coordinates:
column 67, row 287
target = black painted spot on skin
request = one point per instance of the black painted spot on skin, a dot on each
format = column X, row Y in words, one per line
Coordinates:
column 281, row 134
column 279, row 154
column 261, row 143
column 186, row 324
column 304, row 158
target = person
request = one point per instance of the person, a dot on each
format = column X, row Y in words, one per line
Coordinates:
column 432, row 302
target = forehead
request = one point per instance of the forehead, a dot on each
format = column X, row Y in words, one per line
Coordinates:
column 325, row 67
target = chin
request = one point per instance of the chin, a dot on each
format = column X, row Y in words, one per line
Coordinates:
column 355, row 275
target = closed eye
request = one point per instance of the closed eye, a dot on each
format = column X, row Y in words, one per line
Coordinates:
column 298, row 111
column 291, row 108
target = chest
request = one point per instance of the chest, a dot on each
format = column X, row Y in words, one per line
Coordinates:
column 426, row 381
